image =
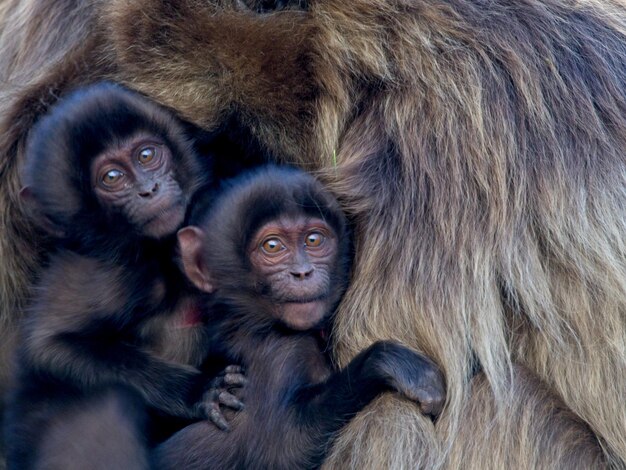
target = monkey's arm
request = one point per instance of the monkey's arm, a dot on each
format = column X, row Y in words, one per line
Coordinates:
column 86, row 359
column 83, row 330
column 310, row 420
column 384, row 366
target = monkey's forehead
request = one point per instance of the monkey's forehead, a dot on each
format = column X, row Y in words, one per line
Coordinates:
column 89, row 119
column 272, row 192
column 250, row 201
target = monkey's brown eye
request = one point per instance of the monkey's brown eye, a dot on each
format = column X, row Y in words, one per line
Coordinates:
column 314, row 239
column 112, row 177
column 146, row 155
column 272, row 245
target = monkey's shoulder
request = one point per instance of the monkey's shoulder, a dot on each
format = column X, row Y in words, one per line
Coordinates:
column 76, row 286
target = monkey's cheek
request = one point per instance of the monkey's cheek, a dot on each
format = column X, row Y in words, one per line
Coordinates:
column 303, row 316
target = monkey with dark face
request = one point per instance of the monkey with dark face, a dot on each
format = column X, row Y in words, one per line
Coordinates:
column 109, row 176
column 273, row 254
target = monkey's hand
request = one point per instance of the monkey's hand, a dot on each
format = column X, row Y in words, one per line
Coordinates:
column 224, row 390
column 411, row 374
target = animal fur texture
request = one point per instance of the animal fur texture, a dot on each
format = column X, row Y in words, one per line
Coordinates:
column 478, row 146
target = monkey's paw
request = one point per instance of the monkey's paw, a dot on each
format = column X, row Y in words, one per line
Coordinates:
column 413, row 375
column 224, row 390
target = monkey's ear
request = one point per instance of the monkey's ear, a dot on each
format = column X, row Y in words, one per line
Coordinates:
column 44, row 222
column 190, row 244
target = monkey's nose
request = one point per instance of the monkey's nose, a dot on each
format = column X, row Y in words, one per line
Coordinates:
column 151, row 192
column 302, row 273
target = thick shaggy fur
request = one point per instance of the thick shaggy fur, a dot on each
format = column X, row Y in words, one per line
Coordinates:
column 479, row 147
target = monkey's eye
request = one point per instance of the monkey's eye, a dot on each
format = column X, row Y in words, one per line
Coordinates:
column 112, row 177
column 314, row 239
column 272, row 245
column 146, row 155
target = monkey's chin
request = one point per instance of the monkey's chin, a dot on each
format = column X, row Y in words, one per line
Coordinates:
column 303, row 316
column 165, row 223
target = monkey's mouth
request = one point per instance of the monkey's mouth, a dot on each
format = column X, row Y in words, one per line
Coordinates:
column 303, row 315
column 314, row 295
column 305, row 300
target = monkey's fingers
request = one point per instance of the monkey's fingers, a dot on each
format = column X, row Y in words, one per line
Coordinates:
column 233, row 375
column 431, row 401
column 230, row 401
column 232, row 369
column 216, row 417
column 235, row 379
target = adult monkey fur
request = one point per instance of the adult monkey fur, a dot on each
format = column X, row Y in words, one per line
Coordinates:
column 478, row 147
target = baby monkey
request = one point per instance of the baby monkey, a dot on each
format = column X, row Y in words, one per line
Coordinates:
column 108, row 176
column 273, row 256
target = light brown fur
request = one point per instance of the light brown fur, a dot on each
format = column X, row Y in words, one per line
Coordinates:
column 480, row 150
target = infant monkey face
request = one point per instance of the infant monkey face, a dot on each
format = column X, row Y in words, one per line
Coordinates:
column 293, row 257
